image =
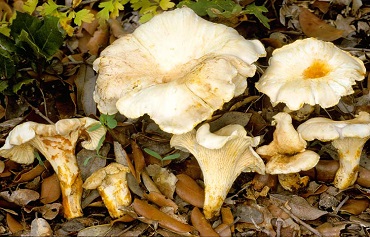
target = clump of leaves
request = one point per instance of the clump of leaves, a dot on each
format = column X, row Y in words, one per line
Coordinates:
column 30, row 45
column 227, row 9
column 159, row 157
column 107, row 121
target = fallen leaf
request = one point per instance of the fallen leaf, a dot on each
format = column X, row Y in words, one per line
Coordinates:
column 329, row 230
column 249, row 214
column 164, row 179
column 189, row 191
column 13, row 225
column 102, row 230
column 20, row 197
column 40, row 227
column 50, row 189
column 89, row 161
column 201, row 223
column 160, row 200
column 148, row 211
column 312, row 26
column 138, row 158
column 223, row 230
column 2, row 166
column 28, row 175
column 355, row 206
column 48, row 211
column 303, row 210
column 230, row 118
column 293, row 182
column 227, row 217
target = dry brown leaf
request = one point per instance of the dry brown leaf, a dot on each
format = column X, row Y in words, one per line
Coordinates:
column 148, row 211
column 323, row 6
column 13, row 225
column 223, row 230
column 20, row 197
column 189, row 191
column 227, row 217
column 139, row 161
column 40, row 227
column 312, row 26
column 2, row 166
column 149, row 183
column 48, row 211
column 293, row 182
column 329, row 230
column 201, row 223
column 98, row 40
column 164, row 179
column 363, row 178
column 303, row 210
column 262, row 180
column 50, row 189
column 28, row 175
column 355, row 206
column 94, row 162
column 160, row 200
column 249, row 214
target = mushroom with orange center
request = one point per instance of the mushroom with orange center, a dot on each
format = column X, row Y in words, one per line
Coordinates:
column 287, row 153
column 348, row 137
column 57, row 143
column 112, row 186
column 178, row 68
column 222, row 156
column 310, row 71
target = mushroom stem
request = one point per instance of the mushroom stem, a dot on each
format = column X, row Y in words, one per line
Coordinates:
column 349, row 151
column 60, row 152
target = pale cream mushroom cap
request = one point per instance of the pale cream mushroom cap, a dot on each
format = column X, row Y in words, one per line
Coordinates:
column 310, row 71
column 221, row 166
column 178, row 68
column 287, row 152
column 57, row 143
column 348, row 137
column 112, row 186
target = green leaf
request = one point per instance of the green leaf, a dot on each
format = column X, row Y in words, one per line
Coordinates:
column 94, row 127
column 3, row 86
column 30, row 6
column 107, row 7
column 153, row 153
column 38, row 157
column 166, row 4
column 19, row 85
column 83, row 15
column 111, row 121
column 100, row 144
column 49, row 8
column 171, row 157
column 257, row 11
column 42, row 37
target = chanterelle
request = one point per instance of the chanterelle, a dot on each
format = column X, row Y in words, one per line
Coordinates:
column 178, row 68
column 57, row 143
column 221, row 163
column 348, row 137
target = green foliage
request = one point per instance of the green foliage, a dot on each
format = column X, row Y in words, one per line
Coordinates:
column 225, row 9
column 150, row 8
column 159, row 157
column 31, row 43
column 108, row 120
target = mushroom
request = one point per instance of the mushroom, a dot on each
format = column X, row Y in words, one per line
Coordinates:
column 178, row 68
column 310, row 71
column 348, row 137
column 230, row 153
column 57, row 143
column 287, row 154
column 112, row 186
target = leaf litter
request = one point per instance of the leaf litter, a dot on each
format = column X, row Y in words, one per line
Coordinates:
column 256, row 205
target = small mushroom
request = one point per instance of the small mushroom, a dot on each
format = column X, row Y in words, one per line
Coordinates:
column 310, row 71
column 287, row 153
column 221, row 160
column 112, row 186
column 57, row 143
column 178, row 68
column 348, row 137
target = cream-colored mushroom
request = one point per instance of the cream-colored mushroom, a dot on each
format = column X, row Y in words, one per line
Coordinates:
column 348, row 137
column 112, row 186
column 222, row 161
column 57, row 144
column 287, row 154
column 310, row 71
column 178, row 68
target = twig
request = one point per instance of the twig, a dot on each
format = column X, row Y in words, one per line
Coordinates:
column 301, row 222
column 341, row 204
column 38, row 112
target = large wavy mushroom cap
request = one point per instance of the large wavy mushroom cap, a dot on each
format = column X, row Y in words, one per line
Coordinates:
column 222, row 156
column 178, row 68
column 310, row 71
column 348, row 137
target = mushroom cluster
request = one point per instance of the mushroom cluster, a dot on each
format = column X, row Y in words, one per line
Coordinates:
column 222, row 156
column 57, row 143
column 178, row 68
